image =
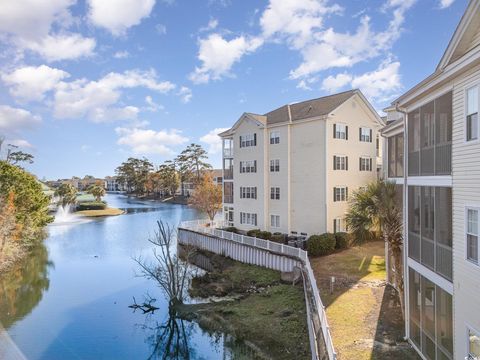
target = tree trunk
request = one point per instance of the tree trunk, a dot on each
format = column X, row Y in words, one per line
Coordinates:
column 397, row 258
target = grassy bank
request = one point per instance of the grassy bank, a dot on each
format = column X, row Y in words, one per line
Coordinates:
column 265, row 313
column 363, row 311
column 99, row 213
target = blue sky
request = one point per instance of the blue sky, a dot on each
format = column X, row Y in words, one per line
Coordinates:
column 86, row 84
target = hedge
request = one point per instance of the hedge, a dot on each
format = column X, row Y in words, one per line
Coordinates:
column 321, row 244
column 232, row 229
column 93, row 205
column 342, row 240
column 266, row 235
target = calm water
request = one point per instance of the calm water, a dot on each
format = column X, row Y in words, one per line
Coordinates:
column 70, row 299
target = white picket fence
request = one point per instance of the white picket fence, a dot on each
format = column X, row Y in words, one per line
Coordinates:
column 317, row 310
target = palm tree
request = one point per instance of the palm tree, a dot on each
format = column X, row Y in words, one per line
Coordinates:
column 97, row 192
column 374, row 212
column 67, row 194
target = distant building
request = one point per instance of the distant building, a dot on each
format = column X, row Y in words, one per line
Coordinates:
column 293, row 169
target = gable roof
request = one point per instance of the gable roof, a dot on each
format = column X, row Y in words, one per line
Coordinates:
column 309, row 108
column 260, row 120
column 461, row 41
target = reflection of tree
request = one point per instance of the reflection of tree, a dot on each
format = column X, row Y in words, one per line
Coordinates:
column 170, row 340
column 21, row 288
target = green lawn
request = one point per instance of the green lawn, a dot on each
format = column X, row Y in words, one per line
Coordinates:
column 363, row 313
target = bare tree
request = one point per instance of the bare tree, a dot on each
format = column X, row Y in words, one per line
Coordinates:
column 170, row 272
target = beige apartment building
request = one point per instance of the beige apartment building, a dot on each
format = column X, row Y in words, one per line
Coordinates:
column 433, row 154
column 292, row 170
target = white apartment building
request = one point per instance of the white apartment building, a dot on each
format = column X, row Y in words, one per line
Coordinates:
column 292, row 169
column 433, row 154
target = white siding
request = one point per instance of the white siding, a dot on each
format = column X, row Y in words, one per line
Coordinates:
column 466, row 191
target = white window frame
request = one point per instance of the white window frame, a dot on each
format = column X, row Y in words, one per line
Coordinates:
column 275, row 221
column 341, row 131
column 274, row 193
column 365, row 163
column 248, row 192
column 274, row 137
column 340, row 223
column 340, row 194
column 340, row 162
column 365, row 137
column 477, row 209
column 247, row 140
column 470, row 329
column 248, row 166
column 248, row 219
column 275, row 165
column 477, row 138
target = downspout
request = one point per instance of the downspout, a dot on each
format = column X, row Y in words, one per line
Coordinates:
column 406, row 289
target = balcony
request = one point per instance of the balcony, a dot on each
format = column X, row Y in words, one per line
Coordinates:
column 227, row 152
column 227, row 147
column 228, row 174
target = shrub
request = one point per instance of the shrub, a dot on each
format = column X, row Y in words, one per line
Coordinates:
column 267, row 235
column 321, row 244
column 232, row 229
column 93, row 205
column 253, row 232
column 278, row 238
column 342, row 240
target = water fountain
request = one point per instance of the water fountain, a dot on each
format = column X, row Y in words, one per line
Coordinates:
column 65, row 216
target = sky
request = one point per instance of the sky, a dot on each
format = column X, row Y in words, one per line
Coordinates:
column 86, row 84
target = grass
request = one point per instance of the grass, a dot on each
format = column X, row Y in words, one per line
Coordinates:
column 268, row 315
column 98, row 213
column 363, row 313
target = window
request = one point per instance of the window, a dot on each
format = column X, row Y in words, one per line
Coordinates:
column 249, row 166
column 340, row 131
column 248, row 192
column 340, row 162
column 339, row 225
column 472, row 113
column 340, row 193
column 275, row 221
column 248, row 219
column 365, row 134
column 248, row 140
column 472, row 235
column 274, row 165
column 473, row 345
column 365, row 164
column 275, row 193
column 274, row 137
column 395, row 156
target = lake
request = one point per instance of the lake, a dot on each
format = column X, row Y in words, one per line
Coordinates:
column 70, row 298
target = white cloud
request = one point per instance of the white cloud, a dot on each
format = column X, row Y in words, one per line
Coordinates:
column 21, row 143
column 62, row 47
column 118, row 15
column 185, row 94
column 31, row 83
column 380, row 84
column 98, row 100
column 121, row 54
column 446, row 3
column 218, row 56
column 152, row 105
column 295, row 20
column 32, row 19
column 13, row 120
column 161, row 29
column 212, row 25
column 27, row 25
column 147, row 141
column 213, row 141
column 334, row 83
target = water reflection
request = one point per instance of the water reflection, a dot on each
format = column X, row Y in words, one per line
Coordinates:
column 22, row 288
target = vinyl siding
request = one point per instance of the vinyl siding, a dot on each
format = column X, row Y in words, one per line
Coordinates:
column 466, row 191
